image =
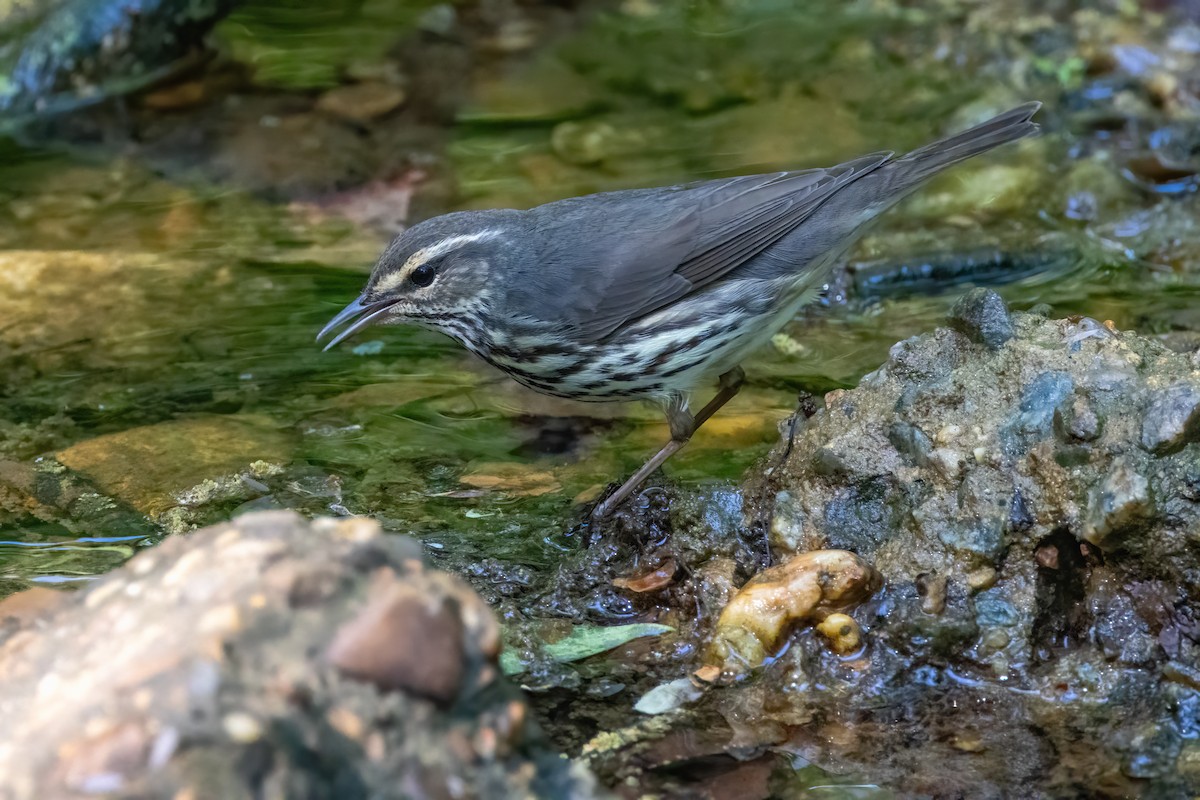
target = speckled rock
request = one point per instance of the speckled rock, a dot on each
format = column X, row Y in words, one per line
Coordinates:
column 982, row 315
column 268, row 657
column 1030, row 496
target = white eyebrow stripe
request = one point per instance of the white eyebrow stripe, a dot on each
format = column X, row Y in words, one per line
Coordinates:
column 426, row 254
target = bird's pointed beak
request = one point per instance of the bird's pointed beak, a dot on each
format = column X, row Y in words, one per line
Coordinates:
column 359, row 314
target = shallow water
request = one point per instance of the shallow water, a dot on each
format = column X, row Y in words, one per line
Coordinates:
column 158, row 308
column 216, row 292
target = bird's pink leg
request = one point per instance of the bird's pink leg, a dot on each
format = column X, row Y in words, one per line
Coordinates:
column 683, row 425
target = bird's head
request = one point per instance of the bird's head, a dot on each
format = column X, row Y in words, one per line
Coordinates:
column 435, row 274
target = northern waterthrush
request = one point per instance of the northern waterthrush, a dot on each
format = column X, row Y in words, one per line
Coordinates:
column 644, row 294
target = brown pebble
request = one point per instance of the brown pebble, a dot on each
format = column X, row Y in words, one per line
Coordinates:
column 485, row 743
column 361, row 102
column 650, row 581
column 932, row 589
column 1047, row 556
column 346, row 722
column 174, row 98
column 512, row 724
column 403, row 641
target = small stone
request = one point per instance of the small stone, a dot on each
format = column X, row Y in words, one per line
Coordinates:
column 993, row 608
column 1040, row 403
column 911, row 442
column 948, row 434
column 982, row 315
column 843, row 633
column 173, row 98
column 932, row 590
column 241, row 727
column 1121, row 502
column 968, row 743
column 1077, row 421
column 982, row 578
column 512, row 478
column 948, row 462
column 981, row 537
column 1047, row 557
column 996, row 639
column 440, row 19
column 347, row 723
column 1172, row 419
column 362, row 102
column 1019, row 518
column 651, row 581
column 403, row 641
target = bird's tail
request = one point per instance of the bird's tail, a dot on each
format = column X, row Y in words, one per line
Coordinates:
column 845, row 215
column 910, row 171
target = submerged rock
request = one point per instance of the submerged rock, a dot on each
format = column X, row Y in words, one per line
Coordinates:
column 162, row 466
column 267, row 657
column 982, row 315
column 1027, row 489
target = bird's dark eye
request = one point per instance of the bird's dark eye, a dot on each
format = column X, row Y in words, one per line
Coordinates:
column 423, row 275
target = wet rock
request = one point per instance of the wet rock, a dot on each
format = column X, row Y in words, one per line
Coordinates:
column 1077, row 420
column 1040, row 401
column 982, row 315
column 809, row 586
column 152, row 468
column 213, row 682
column 512, row 478
column 1117, row 504
column 1020, row 502
column 1172, row 419
column 910, row 441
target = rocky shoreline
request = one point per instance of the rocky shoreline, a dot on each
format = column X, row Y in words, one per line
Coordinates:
column 1026, row 492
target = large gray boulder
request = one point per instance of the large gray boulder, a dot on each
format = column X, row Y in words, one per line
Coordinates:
column 1029, row 490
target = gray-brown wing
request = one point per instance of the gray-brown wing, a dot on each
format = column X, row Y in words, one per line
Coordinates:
column 660, row 245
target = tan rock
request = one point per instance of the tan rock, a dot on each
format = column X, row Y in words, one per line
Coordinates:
column 146, row 466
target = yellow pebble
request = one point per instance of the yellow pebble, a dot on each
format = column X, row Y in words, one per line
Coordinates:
column 843, row 633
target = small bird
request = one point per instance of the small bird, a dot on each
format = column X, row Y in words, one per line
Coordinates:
column 645, row 293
